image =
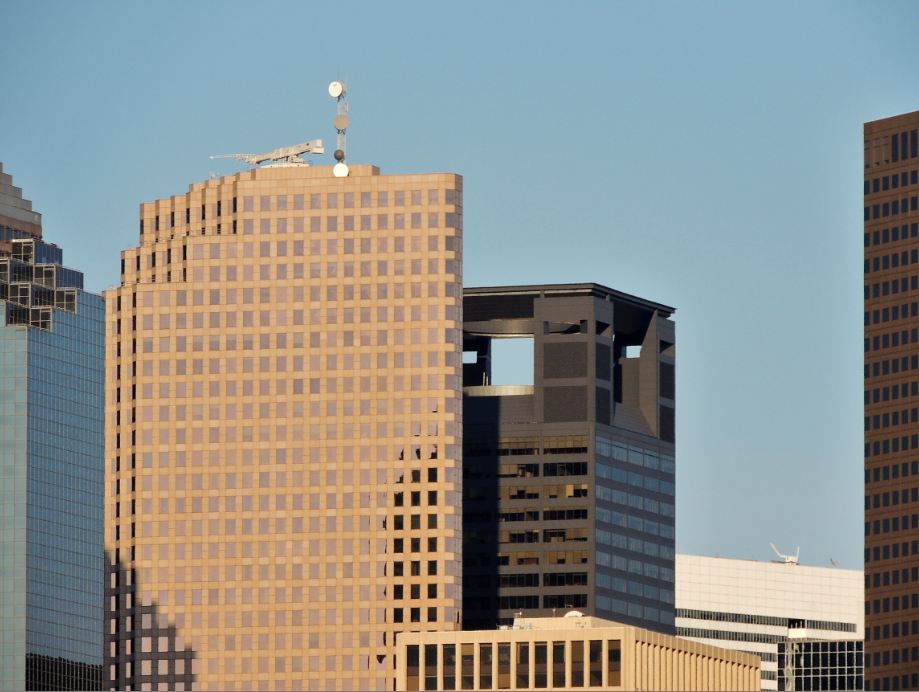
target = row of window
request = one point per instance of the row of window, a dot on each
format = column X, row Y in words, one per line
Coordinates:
column 532, row 602
column 634, row 588
column 332, row 247
column 893, row 631
column 891, row 182
column 570, row 468
column 546, row 660
column 547, row 515
column 266, row 249
column 884, row 288
column 640, row 565
column 893, row 419
column 885, row 209
column 892, row 445
column 548, row 536
column 892, row 313
column 891, row 261
column 897, row 682
column 531, row 580
column 891, row 551
column 832, row 678
column 333, row 223
column 891, row 340
column 296, row 270
column 891, row 498
column 635, row 610
column 892, row 604
column 723, row 635
column 631, row 479
column 898, row 146
column 885, row 526
column 891, row 366
column 770, row 620
column 635, row 523
column 298, row 202
column 414, row 614
column 632, row 454
column 893, row 234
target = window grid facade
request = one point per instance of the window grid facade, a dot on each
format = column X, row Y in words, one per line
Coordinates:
column 283, row 424
column 821, row 665
column 891, row 248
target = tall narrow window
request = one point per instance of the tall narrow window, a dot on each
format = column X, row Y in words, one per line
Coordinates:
column 448, row 682
column 577, row 664
column 613, row 663
column 523, row 665
column 485, row 663
column 504, row 666
column 411, row 667
column 430, row 667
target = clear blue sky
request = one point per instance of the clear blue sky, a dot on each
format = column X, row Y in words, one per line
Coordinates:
column 704, row 155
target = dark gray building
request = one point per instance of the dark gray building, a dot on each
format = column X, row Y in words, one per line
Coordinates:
column 568, row 496
column 51, row 462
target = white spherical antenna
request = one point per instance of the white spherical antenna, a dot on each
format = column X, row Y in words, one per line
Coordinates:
column 340, row 170
column 336, row 89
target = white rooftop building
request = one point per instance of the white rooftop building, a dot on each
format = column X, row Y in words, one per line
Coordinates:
column 764, row 607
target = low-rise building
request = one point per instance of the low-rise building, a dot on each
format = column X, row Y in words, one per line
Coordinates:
column 564, row 653
column 762, row 607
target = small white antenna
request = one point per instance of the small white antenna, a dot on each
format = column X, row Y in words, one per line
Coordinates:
column 338, row 92
column 787, row 559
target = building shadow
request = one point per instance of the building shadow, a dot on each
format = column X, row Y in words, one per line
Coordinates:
column 143, row 650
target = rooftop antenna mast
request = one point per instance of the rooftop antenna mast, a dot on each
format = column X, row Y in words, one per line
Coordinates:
column 787, row 559
column 337, row 91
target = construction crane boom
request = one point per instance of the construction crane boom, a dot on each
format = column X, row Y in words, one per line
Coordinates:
column 290, row 156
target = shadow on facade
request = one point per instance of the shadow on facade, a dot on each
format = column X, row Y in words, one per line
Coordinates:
column 143, row 650
column 480, row 522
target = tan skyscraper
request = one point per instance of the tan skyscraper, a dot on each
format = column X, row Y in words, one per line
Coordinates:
column 283, row 419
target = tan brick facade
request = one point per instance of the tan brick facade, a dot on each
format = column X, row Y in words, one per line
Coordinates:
column 891, row 381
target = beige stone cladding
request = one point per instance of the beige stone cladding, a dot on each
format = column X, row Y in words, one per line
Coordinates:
column 283, row 422
column 568, row 653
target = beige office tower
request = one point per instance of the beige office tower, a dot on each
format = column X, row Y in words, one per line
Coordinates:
column 283, row 422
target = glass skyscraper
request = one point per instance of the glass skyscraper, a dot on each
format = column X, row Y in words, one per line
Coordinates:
column 51, row 457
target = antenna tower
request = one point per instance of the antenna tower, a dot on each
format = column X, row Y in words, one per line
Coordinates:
column 338, row 92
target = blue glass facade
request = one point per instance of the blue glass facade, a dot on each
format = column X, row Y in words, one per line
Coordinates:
column 635, row 525
column 51, row 481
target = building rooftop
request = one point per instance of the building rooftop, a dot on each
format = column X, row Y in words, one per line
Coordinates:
column 580, row 289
